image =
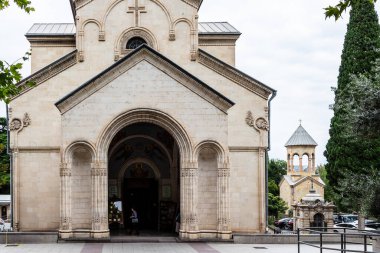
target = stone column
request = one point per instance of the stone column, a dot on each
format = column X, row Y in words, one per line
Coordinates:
column 66, row 221
column 223, row 186
column 310, row 165
column 99, row 200
column 189, row 198
column 261, row 189
column 15, row 191
column 291, row 163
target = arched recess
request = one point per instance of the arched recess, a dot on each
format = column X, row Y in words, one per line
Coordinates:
column 213, row 188
column 116, row 2
column 109, row 9
column 81, row 35
column 144, row 115
column 77, row 187
column 192, row 35
column 217, row 148
column 120, row 45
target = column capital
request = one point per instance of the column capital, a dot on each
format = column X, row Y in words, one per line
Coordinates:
column 65, row 171
column 98, row 171
column 224, row 172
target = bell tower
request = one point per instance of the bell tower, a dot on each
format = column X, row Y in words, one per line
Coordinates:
column 301, row 153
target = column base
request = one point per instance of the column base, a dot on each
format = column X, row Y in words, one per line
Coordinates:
column 84, row 234
column 205, row 235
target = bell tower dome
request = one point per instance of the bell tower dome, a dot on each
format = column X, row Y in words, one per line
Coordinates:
column 301, row 153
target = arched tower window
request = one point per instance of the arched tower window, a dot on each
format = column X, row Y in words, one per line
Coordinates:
column 305, row 162
column 296, row 162
column 135, row 42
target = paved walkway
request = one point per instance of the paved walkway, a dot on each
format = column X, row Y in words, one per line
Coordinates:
column 162, row 248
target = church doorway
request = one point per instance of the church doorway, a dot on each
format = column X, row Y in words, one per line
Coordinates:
column 143, row 173
column 319, row 222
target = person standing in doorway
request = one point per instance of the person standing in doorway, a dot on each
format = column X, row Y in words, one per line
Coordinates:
column 134, row 221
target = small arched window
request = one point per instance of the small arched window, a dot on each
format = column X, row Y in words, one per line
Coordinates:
column 135, row 42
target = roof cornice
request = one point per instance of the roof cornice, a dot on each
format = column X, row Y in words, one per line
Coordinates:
column 144, row 53
column 234, row 75
column 47, row 72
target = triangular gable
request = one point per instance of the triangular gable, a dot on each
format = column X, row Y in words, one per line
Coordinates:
column 162, row 63
column 288, row 179
column 234, row 75
column 315, row 180
column 47, row 72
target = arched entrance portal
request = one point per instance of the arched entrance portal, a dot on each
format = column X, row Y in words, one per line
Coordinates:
column 143, row 172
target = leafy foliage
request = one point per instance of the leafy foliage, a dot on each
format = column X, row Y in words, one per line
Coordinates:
column 276, row 169
column 273, row 188
column 23, row 4
column 9, row 76
column 349, row 151
column 10, row 73
column 276, row 205
column 360, row 192
column 336, row 11
column 4, row 158
column 329, row 194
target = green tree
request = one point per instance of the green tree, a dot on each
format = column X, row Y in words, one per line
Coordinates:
column 4, row 158
column 276, row 170
column 337, row 10
column 10, row 73
column 329, row 194
column 359, row 190
column 345, row 152
column 276, row 205
column 273, row 188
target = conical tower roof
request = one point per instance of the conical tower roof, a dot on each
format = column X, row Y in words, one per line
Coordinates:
column 301, row 138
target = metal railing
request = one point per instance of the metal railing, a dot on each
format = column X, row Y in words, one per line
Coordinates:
column 342, row 236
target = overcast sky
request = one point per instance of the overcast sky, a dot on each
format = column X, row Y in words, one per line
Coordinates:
column 286, row 44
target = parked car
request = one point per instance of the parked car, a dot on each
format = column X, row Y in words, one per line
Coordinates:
column 290, row 224
column 345, row 218
column 375, row 226
column 349, row 227
column 365, row 222
column 282, row 223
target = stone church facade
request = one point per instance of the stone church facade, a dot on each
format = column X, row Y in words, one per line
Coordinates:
column 138, row 103
column 301, row 178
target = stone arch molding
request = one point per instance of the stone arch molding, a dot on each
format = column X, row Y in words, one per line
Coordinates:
column 144, row 115
column 146, row 161
column 121, row 42
column 116, row 2
column 221, row 153
column 69, row 151
column 144, row 137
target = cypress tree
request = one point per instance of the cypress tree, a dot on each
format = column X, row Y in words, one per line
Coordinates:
column 344, row 151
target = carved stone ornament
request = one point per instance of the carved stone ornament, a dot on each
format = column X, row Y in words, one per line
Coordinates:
column 250, row 120
column 17, row 125
column 260, row 124
column 26, row 121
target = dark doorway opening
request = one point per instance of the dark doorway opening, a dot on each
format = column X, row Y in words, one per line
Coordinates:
column 143, row 172
column 142, row 195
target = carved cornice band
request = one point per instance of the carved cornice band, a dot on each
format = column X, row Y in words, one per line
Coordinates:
column 234, row 75
column 195, row 3
column 48, row 72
